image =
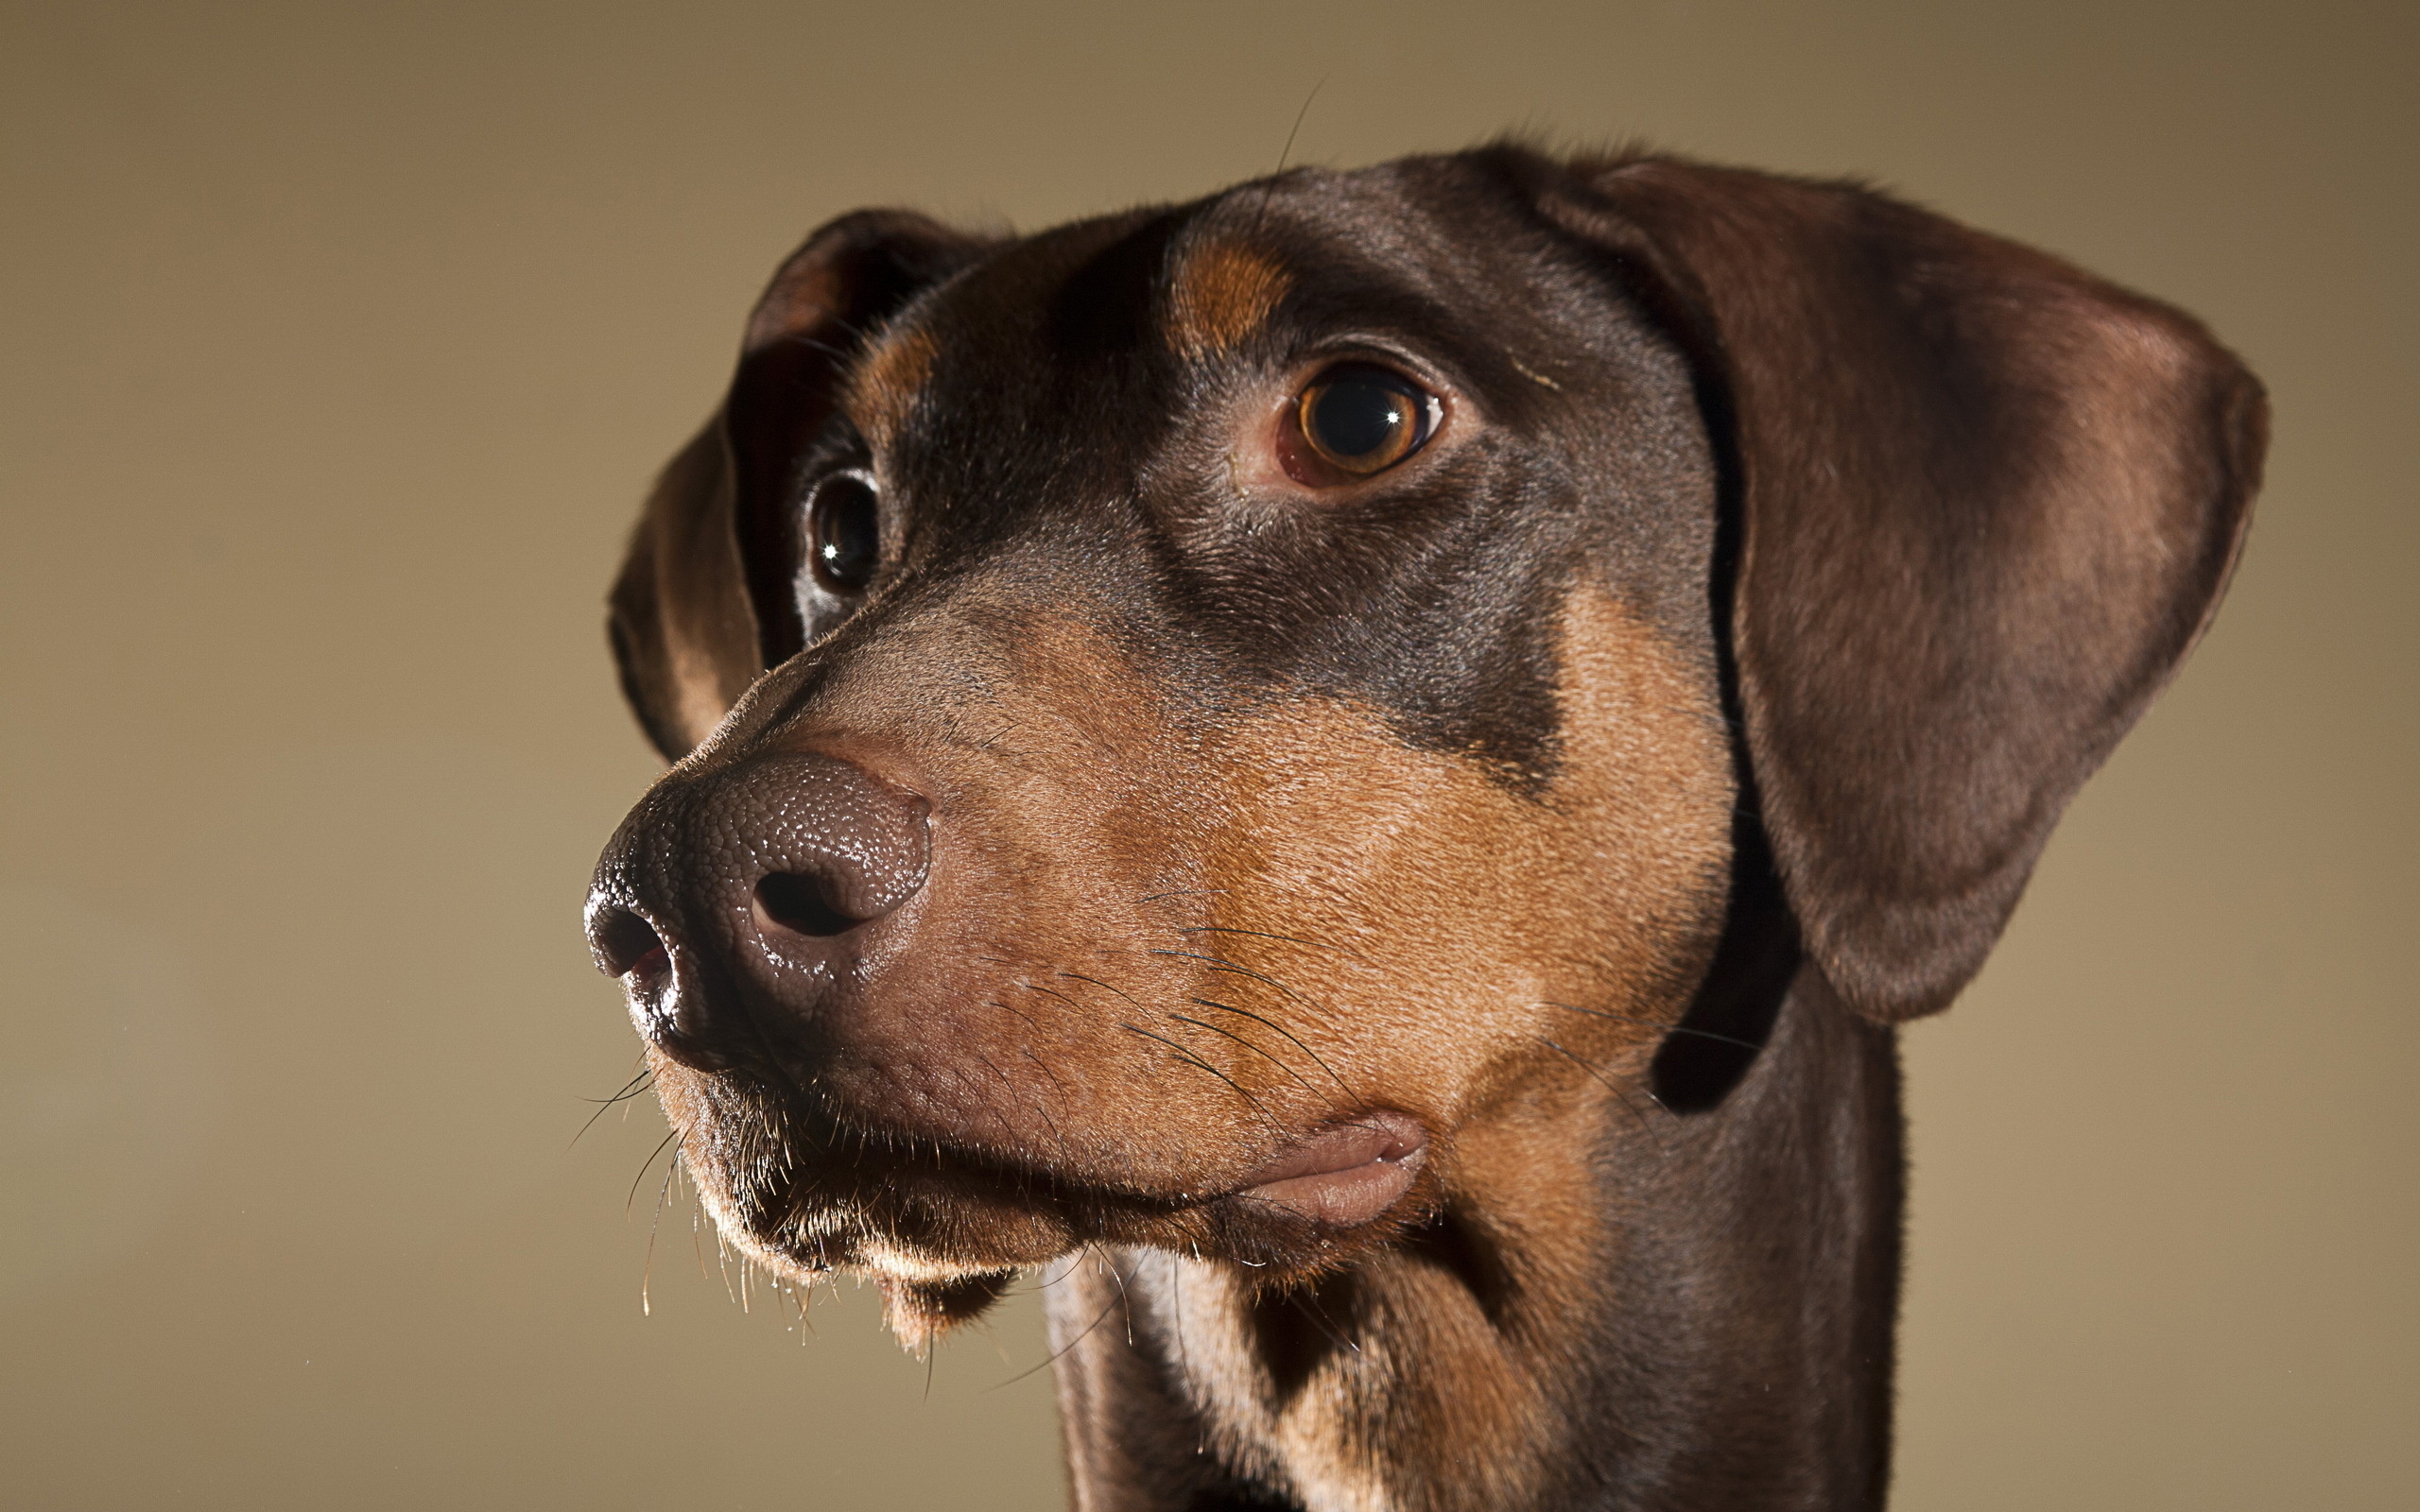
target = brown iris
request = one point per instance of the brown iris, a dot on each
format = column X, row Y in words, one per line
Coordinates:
column 1361, row 419
column 844, row 532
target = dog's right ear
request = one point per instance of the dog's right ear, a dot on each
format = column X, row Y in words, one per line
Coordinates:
column 1984, row 502
column 704, row 602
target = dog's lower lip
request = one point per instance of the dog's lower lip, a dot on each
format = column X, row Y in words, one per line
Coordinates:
column 1346, row 1175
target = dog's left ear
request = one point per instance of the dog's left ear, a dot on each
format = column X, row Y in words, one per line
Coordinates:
column 706, row 600
column 1985, row 502
column 683, row 638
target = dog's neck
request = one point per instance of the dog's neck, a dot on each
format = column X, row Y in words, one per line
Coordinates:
column 1650, row 1309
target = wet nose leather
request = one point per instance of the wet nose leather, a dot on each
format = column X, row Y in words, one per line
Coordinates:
column 749, row 888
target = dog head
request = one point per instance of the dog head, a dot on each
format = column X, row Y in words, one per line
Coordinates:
column 1228, row 726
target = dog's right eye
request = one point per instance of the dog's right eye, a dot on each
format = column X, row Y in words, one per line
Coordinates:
column 844, row 533
column 1355, row 421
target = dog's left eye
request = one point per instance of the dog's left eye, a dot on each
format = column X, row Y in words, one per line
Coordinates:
column 1360, row 419
column 844, row 533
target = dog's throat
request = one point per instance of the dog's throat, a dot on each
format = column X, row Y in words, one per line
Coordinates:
column 1546, row 1338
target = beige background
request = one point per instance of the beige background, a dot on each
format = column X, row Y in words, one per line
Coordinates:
column 339, row 342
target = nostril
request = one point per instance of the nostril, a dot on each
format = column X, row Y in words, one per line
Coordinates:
column 624, row 943
column 802, row 904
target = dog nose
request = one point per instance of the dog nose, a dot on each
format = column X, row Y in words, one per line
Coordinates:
column 750, row 890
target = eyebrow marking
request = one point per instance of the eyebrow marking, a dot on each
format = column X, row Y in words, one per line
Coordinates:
column 1222, row 294
column 882, row 388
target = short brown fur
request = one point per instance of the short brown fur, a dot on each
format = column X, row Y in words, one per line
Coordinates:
column 1590, row 792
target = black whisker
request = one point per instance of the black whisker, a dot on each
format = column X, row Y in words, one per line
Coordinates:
column 629, row 1088
column 1652, row 1023
column 636, row 1086
column 1281, row 1030
column 1620, row 1095
column 1073, row 1261
column 1288, row 151
column 1269, row 188
column 1078, row 977
column 647, row 1272
column 1052, row 992
column 1308, row 1306
column 1194, row 1059
column 1056, row 1355
column 1248, row 1045
column 824, row 346
column 1119, row 1277
column 995, row 1002
column 1033, row 1101
column 643, row 1170
column 1218, row 963
column 1262, row 934
column 1045, row 1069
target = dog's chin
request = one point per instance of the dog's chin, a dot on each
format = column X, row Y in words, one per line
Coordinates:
column 940, row 1243
column 944, row 1232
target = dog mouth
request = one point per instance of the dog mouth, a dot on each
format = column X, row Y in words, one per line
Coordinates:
column 1320, row 1187
column 942, row 1229
column 1345, row 1175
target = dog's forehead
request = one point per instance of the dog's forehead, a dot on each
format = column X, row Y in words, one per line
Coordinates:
column 1103, row 304
column 1406, row 244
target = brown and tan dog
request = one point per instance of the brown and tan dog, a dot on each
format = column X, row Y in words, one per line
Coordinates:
column 1373, row 760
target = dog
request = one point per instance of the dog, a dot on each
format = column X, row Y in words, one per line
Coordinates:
column 1359, row 773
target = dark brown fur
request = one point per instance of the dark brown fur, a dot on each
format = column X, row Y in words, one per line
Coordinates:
column 1595, row 789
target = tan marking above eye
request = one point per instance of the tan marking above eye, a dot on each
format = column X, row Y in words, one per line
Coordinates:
column 1221, row 294
column 884, row 386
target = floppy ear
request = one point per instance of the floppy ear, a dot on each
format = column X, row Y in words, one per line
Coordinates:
column 704, row 602
column 1985, row 502
column 679, row 619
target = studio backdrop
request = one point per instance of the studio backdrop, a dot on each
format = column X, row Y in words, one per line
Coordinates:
column 342, row 341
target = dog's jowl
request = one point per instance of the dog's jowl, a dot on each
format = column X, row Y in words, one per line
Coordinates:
column 1361, row 770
